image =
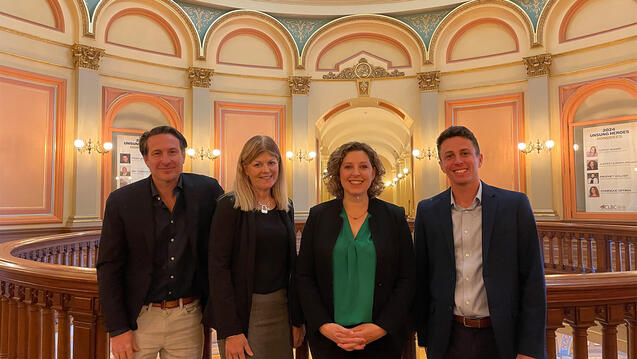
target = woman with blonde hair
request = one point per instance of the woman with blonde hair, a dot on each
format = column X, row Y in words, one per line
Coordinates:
column 253, row 305
column 356, row 269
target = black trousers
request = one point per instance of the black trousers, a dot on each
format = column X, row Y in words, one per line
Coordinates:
column 471, row 343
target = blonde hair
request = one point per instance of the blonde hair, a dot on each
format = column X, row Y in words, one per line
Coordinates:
column 244, row 195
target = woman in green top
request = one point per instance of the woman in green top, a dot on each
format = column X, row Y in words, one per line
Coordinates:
column 356, row 271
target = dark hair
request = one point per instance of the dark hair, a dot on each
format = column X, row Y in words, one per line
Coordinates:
column 457, row 131
column 332, row 178
column 143, row 141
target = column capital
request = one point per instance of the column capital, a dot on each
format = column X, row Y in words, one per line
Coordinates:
column 428, row 81
column 538, row 65
column 200, row 76
column 299, row 85
column 85, row 56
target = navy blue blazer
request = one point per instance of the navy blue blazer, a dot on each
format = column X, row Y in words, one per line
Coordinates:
column 124, row 262
column 512, row 268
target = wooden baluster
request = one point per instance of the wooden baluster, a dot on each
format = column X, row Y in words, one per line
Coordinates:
column 84, row 326
column 554, row 319
column 47, row 349
column 12, row 344
column 4, row 320
column 60, row 302
column 630, row 255
column 85, row 248
column 552, row 251
column 546, row 242
column 612, row 315
column 596, row 250
column 560, row 252
column 102, row 347
column 94, row 245
column 76, row 255
column 34, row 328
column 580, row 319
column 22, row 323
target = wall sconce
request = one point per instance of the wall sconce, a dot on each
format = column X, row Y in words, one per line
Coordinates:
column 203, row 153
column 537, row 146
column 89, row 146
column 420, row 154
column 301, row 155
column 399, row 176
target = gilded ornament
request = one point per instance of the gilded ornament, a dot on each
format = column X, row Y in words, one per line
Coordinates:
column 363, row 87
column 299, row 85
column 539, row 65
column 86, row 56
column 363, row 70
column 200, row 76
column 428, row 81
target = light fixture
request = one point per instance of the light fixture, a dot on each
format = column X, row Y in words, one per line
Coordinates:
column 203, row 153
column 575, row 147
column 301, row 155
column 420, row 154
column 537, row 146
column 89, row 146
column 406, row 171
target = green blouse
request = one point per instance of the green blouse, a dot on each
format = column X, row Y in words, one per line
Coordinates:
column 354, row 264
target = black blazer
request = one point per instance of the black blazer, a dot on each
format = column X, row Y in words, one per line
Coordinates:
column 231, row 267
column 512, row 268
column 125, row 259
column 395, row 269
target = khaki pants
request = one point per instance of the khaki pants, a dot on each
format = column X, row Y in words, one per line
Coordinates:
column 175, row 333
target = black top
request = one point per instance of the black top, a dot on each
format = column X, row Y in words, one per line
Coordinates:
column 272, row 254
column 173, row 260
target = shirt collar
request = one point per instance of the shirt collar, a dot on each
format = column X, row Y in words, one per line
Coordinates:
column 178, row 188
column 476, row 201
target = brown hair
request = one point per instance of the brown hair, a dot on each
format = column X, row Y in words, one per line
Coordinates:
column 332, row 178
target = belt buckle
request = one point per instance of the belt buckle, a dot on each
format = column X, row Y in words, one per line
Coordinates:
column 464, row 322
column 163, row 304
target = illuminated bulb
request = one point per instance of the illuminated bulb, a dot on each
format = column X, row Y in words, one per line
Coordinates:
column 289, row 154
column 395, row 179
column 387, row 184
column 549, row 144
column 405, row 170
column 312, row 154
column 108, row 146
column 416, row 153
column 216, row 152
column 400, row 175
column 575, row 147
column 325, row 171
column 78, row 143
column 191, row 152
column 521, row 146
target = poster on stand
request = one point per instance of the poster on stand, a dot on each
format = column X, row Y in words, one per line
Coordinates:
column 130, row 163
column 610, row 167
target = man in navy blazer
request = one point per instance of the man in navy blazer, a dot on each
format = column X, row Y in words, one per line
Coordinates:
column 481, row 292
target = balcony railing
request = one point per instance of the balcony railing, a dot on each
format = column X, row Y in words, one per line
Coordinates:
column 48, row 285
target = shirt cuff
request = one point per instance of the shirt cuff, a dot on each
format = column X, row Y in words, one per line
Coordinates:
column 117, row 332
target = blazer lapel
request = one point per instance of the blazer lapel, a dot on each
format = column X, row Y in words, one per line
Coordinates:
column 145, row 210
column 443, row 210
column 489, row 208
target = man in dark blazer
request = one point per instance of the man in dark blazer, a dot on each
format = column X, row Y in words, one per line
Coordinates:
column 481, row 291
column 152, row 262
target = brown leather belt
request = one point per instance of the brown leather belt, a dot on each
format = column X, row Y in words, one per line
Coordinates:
column 473, row 322
column 169, row 304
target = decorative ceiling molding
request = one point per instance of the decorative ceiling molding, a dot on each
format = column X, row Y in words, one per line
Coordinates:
column 363, row 70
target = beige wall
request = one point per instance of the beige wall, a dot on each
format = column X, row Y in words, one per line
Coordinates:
column 149, row 46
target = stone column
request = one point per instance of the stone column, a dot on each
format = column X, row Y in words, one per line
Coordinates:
column 539, row 186
column 303, row 172
column 426, row 129
column 203, row 129
column 88, row 166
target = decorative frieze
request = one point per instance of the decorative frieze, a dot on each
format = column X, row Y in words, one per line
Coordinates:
column 428, row 81
column 86, row 57
column 539, row 65
column 299, row 85
column 200, row 76
column 363, row 70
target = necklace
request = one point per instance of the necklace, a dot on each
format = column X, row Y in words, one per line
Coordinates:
column 264, row 207
column 357, row 217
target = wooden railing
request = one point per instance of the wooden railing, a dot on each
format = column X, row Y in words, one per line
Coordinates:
column 588, row 248
column 48, row 283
